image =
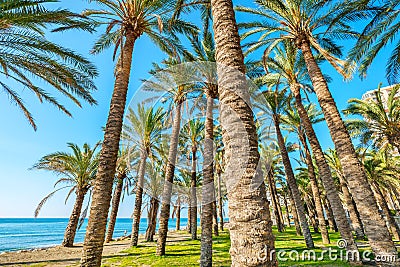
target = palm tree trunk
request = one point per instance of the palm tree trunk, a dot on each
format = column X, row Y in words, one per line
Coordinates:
column 208, row 190
column 152, row 220
column 137, row 212
column 250, row 220
column 215, row 219
column 115, row 206
column 329, row 214
column 188, row 227
column 272, row 190
column 102, row 190
column 178, row 214
column 70, row 231
column 294, row 213
column 193, row 196
column 391, row 223
column 324, row 172
column 352, row 209
column 293, row 186
column 287, row 210
column 378, row 235
column 220, row 204
column 169, row 178
column 311, row 214
column 315, row 190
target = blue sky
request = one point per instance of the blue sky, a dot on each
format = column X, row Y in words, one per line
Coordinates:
column 20, row 147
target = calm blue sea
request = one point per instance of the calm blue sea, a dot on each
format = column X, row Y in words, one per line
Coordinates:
column 17, row 234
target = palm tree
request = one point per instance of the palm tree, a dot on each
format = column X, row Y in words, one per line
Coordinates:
column 380, row 123
column 309, row 25
column 143, row 128
column 153, row 188
column 269, row 156
column 204, row 51
column 26, row 56
column 293, row 121
column 192, row 134
column 121, row 182
column 273, row 103
column 77, row 170
column 287, row 67
column 336, row 168
column 170, row 80
column 126, row 21
column 249, row 234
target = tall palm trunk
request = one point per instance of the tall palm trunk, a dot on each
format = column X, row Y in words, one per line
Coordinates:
column 287, row 210
column 378, row 235
column 169, row 178
column 178, row 214
column 293, row 185
column 220, row 203
column 70, row 231
column 294, row 213
column 193, row 196
column 272, row 190
column 311, row 213
column 102, row 189
column 324, row 172
column 352, row 209
column 208, row 193
column 329, row 214
column 115, row 206
column 250, row 231
column 215, row 218
column 391, row 223
column 152, row 220
column 315, row 190
column 137, row 212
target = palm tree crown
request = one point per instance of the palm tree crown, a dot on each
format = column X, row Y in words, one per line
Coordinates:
column 25, row 54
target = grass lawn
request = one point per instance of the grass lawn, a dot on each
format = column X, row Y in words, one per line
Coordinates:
column 184, row 252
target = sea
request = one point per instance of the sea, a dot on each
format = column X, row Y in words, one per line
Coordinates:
column 21, row 234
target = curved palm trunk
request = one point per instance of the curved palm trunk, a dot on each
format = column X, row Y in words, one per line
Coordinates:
column 193, row 196
column 208, row 190
column 250, row 221
column 378, row 235
column 391, row 223
column 220, row 203
column 325, row 172
column 102, row 190
column 293, row 186
column 315, row 190
column 280, row 209
column 70, row 231
column 137, row 212
column 311, row 213
column 272, row 190
column 152, row 220
column 169, row 178
column 115, row 206
column 352, row 209
column 178, row 214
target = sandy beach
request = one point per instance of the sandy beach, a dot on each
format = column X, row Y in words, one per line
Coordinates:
column 62, row 256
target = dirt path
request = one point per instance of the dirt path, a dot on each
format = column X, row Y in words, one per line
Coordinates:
column 62, row 257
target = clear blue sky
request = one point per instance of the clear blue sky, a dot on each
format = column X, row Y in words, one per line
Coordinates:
column 20, row 147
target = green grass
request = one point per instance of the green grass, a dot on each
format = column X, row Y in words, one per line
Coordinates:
column 187, row 252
